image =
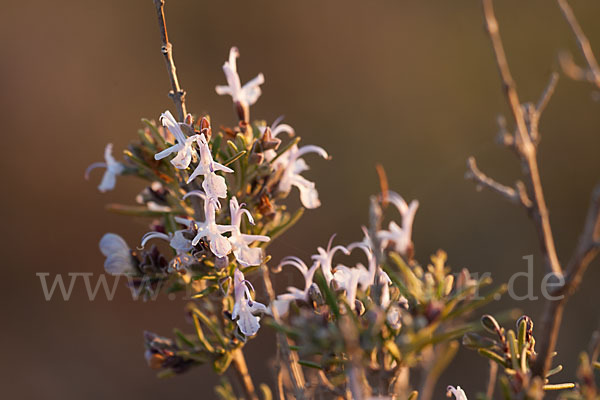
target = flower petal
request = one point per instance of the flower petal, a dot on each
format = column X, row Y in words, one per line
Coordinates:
column 214, row 185
column 119, row 264
column 219, row 245
column 166, row 152
column 108, row 181
column 112, row 243
column 247, row 256
column 94, row 166
column 247, row 322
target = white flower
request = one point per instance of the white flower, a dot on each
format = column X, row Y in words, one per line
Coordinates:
column 347, row 279
column 245, row 95
column 293, row 165
column 209, row 229
column 384, row 282
column 119, row 260
column 176, row 240
column 282, row 302
column 183, row 147
column 113, row 168
column 214, row 185
column 245, row 255
column 401, row 237
column 324, row 258
column 458, row 393
column 245, row 308
column 367, row 276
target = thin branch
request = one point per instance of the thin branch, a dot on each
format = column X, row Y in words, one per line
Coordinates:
column 289, row 358
column 176, row 94
column 587, row 248
column 239, row 364
column 493, row 375
column 523, row 144
column 546, row 94
column 517, row 196
column 592, row 74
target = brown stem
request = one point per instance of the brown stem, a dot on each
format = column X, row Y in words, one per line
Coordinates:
column 493, row 375
column 176, row 94
column 285, row 354
column 241, row 369
column 524, row 145
column 587, row 249
column 593, row 73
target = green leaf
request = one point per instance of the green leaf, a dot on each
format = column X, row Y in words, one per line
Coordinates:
column 493, row 356
column 266, row 392
column 512, row 345
column 396, row 281
column 216, row 145
column 201, row 336
column 183, row 338
column 166, row 373
column 221, row 364
column 559, row 386
column 413, row 283
column 330, row 297
column 505, row 385
column 286, row 148
column 522, row 335
column 281, row 229
column 211, row 325
column 204, row 292
column 393, row 349
column 475, row 304
column 155, row 133
column 413, row 395
column 234, row 158
column 233, row 146
column 289, row 332
column 554, row 371
column 146, row 140
column 310, row 364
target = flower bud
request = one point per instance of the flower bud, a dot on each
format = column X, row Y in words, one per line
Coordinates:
column 490, row 324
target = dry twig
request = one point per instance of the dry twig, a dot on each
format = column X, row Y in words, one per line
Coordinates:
column 176, row 94
column 239, row 364
column 592, row 73
column 524, row 141
column 284, row 353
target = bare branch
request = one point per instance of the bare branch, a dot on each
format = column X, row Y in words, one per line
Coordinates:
column 523, row 144
column 290, row 358
column 239, row 364
column 593, row 72
column 517, row 196
column 587, row 247
column 547, row 94
column 176, row 94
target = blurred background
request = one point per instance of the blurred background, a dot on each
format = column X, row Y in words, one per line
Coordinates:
column 411, row 85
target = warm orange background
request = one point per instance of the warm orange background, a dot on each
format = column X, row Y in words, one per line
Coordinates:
column 409, row 84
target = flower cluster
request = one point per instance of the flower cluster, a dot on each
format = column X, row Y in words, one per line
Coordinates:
column 401, row 314
column 188, row 168
column 215, row 200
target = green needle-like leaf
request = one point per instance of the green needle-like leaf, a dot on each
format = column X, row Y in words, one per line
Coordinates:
column 310, row 364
